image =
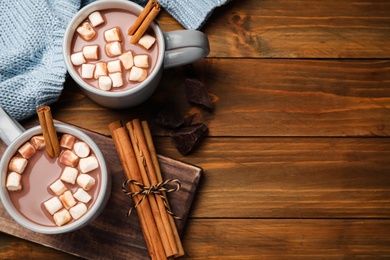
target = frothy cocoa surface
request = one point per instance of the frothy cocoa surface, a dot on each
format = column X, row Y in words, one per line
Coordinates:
column 124, row 20
column 40, row 173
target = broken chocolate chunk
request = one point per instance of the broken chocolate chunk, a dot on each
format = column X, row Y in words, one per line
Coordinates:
column 186, row 139
column 197, row 93
column 170, row 117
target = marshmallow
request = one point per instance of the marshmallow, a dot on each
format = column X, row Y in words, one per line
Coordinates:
column 82, row 196
column 67, row 141
column 87, row 71
column 86, row 31
column 53, row 205
column 58, row 187
column 113, row 35
column 96, row 18
column 27, row 150
column 67, row 199
column 147, row 41
column 127, row 60
column 141, row 61
column 38, row 142
column 14, row 181
column 77, row 58
column 78, row 211
column 69, row 175
column 137, row 74
column 69, row 158
column 105, row 83
column 62, row 217
column 114, row 66
column 91, row 52
column 88, row 164
column 17, row 164
column 85, row 181
column 100, row 70
column 117, row 80
column 113, row 49
column 81, row 149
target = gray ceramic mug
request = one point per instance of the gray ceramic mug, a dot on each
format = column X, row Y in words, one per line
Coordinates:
column 14, row 136
column 175, row 48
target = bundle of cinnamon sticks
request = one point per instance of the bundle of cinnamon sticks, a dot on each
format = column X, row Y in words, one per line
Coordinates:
column 136, row 152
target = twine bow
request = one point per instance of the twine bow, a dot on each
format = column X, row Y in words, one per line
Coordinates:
column 158, row 189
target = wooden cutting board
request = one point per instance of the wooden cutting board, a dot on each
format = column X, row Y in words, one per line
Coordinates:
column 113, row 235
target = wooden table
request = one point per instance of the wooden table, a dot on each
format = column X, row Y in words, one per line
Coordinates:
column 297, row 161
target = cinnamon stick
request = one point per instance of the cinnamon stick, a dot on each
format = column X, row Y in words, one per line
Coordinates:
column 49, row 132
column 148, row 14
column 127, row 157
column 149, row 179
column 153, row 154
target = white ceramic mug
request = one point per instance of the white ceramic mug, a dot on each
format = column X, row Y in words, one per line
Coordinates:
column 15, row 136
column 175, row 48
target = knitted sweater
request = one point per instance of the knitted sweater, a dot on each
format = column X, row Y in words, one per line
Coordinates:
column 32, row 70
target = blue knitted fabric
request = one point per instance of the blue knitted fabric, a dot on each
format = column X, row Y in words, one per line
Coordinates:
column 32, row 70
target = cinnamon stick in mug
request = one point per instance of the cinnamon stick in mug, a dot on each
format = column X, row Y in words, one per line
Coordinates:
column 144, row 20
column 49, row 132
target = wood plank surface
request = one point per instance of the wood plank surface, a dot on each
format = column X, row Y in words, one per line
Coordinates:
column 297, row 161
column 264, row 97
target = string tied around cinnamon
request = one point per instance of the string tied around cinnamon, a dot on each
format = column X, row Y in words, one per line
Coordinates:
column 158, row 189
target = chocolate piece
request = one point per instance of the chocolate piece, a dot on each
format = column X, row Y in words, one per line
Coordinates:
column 197, row 93
column 186, row 139
column 170, row 117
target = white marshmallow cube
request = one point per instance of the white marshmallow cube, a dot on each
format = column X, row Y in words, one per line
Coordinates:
column 113, row 49
column 127, row 60
column 53, row 205
column 38, row 142
column 96, row 18
column 117, row 80
column 91, row 52
column 67, row 141
column 86, row 31
column 17, row 164
column 82, row 196
column 88, row 164
column 69, row 175
column 105, row 83
column 69, row 158
column 27, row 150
column 67, row 199
column 14, row 181
column 141, row 61
column 137, row 74
column 113, row 35
column 100, row 70
column 58, row 187
column 87, row 71
column 62, row 217
column 81, row 149
column 114, row 66
column 78, row 211
column 85, row 181
column 77, row 58
column 147, row 41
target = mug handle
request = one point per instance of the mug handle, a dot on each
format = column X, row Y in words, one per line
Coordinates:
column 184, row 47
column 9, row 128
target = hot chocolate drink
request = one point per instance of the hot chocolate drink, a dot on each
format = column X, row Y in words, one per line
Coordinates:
column 54, row 191
column 103, row 56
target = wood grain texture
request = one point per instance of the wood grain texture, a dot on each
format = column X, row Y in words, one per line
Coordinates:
column 297, row 161
column 301, row 29
column 263, row 98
